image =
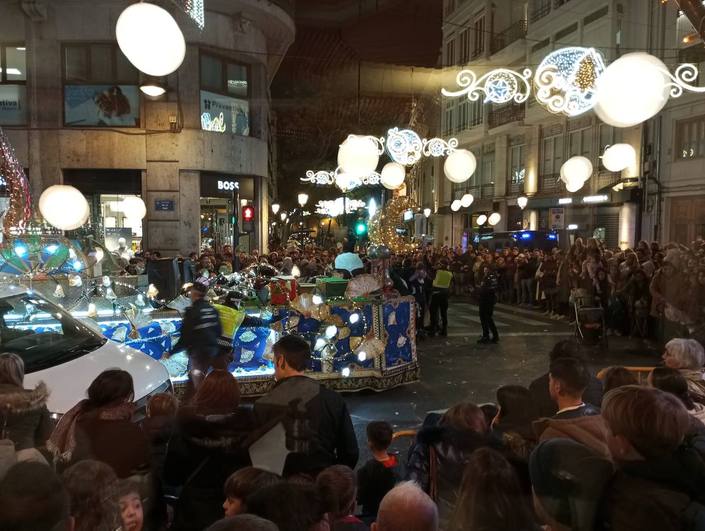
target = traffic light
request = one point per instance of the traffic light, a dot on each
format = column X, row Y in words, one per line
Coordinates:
column 360, row 227
column 248, row 213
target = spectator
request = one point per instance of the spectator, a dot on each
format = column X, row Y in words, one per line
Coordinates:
column 687, row 356
column 243, row 522
column 491, row 496
column 339, row 491
column 514, row 421
column 575, row 419
column 291, row 507
column 568, row 481
column 614, row 377
column 242, row 484
column 23, row 412
column 406, row 508
column 32, row 498
column 210, row 444
column 659, row 478
column 379, row 475
column 673, row 382
column 130, row 504
column 438, row 456
column 100, row 427
column 333, row 440
column 545, row 405
column 91, row 487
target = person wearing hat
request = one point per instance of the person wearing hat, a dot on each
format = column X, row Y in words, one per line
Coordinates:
column 200, row 334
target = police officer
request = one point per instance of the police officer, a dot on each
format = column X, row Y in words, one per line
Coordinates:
column 200, row 332
column 486, row 294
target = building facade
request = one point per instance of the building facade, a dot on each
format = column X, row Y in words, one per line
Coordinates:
column 520, row 148
column 71, row 105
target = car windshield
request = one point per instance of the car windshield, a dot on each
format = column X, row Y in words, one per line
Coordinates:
column 41, row 333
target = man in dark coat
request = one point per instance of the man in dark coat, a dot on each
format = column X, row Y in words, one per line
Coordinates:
column 487, row 297
column 319, row 428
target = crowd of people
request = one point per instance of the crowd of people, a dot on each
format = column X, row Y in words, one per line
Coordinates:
column 570, row 451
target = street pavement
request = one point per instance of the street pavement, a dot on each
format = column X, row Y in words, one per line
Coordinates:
column 455, row 368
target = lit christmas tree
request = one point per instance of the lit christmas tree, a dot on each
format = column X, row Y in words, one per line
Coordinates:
column 19, row 211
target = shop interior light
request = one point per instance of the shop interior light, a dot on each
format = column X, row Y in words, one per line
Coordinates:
column 572, row 226
column 565, row 200
column 595, row 198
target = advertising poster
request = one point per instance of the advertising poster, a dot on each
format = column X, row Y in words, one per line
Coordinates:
column 102, row 105
column 222, row 113
column 13, row 107
column 557, row 218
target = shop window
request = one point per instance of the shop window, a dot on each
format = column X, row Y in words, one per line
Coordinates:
column 690, row 138
column 120, row 231
column 225, row 92
column 101, row 87
column 13, row 90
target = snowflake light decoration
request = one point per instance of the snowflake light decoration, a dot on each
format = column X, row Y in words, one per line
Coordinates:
column 682, row 79
column 337, row 207
column 195, row 10
column 406, row 147
column 340, row 179
column 500, row 85
column 566, row 80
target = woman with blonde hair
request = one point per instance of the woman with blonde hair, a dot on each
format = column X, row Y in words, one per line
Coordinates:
column 688, row 356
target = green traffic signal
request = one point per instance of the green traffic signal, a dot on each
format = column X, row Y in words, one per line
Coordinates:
column 360, row 228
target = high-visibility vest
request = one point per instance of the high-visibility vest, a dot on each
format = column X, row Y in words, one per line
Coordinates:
column 442, row 279
column 230, row 319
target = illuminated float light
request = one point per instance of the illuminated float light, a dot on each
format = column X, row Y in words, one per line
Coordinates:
column 331, row 331
column 362, row 355
column 354, row 317
column 51, row 248
column 317, row 299
column 345, row 372
column 77, row 265
column 21, row 250
column 319, row 344
column 500, row 85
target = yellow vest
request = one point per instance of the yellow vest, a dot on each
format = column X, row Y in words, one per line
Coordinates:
column 230, row 319
column 442, row 279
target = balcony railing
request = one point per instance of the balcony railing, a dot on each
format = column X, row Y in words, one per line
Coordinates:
column 559, row 3
column 487, row 191
column 541, row 11
column 607, row 178
column 550, row 183
column 515, row 188
column 512, row 34
column 505, row 115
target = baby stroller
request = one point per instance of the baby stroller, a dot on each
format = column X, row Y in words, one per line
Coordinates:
column 590, row 328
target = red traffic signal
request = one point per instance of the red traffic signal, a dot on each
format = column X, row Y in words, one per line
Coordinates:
column 248, row 213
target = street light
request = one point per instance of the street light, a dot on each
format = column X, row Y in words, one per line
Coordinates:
column 427, row 212
column 275, row 208
column 303, row 199
column 283, row 216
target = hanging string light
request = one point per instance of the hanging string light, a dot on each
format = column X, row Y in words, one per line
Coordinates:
column 19, row 211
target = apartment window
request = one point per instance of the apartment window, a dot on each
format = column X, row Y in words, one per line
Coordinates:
column 551, row 155
column 450, row 6
column 479, row 36
column 580, row 143
column 13, row 90
column 465, row 46
column 101, row 87
column 464, row 115
column 225, row 92
column 450, row 53
column 517, row 164
column 449, row 118
column 608, row 136
column 690, row 138
column 488, row 168
column 476, row 112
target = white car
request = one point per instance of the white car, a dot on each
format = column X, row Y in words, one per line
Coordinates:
column 67, row 354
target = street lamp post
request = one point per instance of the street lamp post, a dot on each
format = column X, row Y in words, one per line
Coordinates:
column 303, row 199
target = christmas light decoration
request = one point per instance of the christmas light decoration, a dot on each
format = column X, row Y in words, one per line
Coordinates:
column 460, row 165
column 383, row 227
column 359, row 155
column 342, row 180
column 500, row 85
column 64, row 207
column 566, row 80
column 393, row 175
column 681, row 80
column 195, row 10
column 618, row 157
column 337, row 207
column 576, row 169
column 216, row 124
column 19, row 211
column 406, row 147
column 151, row 39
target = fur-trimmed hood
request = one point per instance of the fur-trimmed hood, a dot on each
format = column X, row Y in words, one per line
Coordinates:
column 19, row 401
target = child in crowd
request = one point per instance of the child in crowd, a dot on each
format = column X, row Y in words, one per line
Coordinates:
column 130, row 502
column 338, row 490
column 241, row 484
column 379, row 475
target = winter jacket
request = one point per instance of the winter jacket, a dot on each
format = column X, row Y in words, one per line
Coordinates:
column 589, row 430
column 26, row 415
column 200, row 328
column 664, row 494
column 546, row 407
column 331, row 439
column 452, row 449
column 203, row 452
column 374, row 481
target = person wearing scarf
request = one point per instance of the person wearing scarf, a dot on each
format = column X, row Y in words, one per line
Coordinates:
column 100, row 427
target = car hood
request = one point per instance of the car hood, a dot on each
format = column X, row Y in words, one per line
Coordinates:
column 68, row 382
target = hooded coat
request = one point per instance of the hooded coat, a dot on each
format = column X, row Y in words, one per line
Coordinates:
column 589, row 430
column 25, row 415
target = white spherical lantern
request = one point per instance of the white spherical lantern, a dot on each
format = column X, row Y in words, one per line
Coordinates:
column 574, row 184
column 358, row 155
column 494, row 218
column 481, row 219
column 618, row 157
column 133, row 207
column 576, row 168
column 460, row 165
column 393, row 175
column 455, row 205
column 632, row 89
column 64, row 207
column 466, row 200
column 151, row 39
